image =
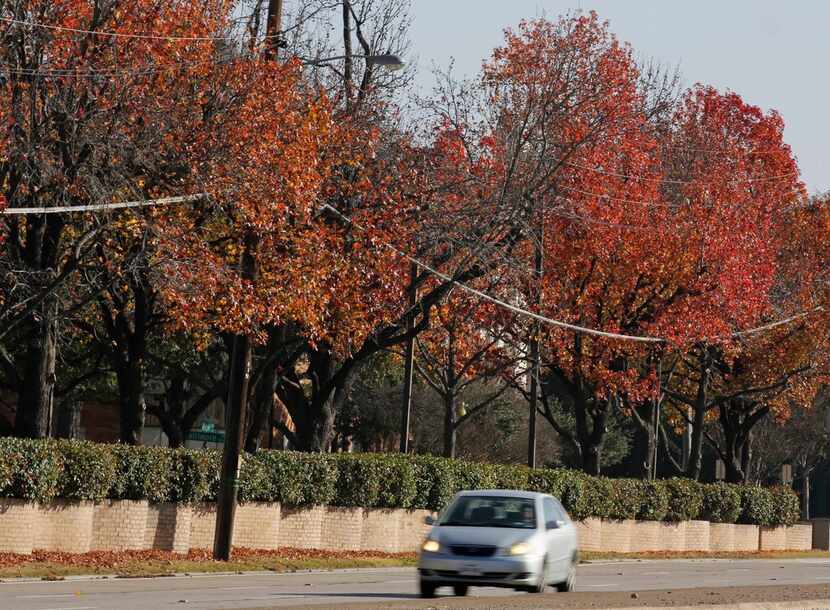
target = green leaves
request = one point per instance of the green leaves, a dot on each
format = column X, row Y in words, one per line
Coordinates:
column 40, row 470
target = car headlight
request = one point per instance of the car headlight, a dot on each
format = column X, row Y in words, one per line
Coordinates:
column 520, row 548
column 431, row 546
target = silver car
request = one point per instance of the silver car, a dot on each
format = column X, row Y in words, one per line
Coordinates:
column 497, row 538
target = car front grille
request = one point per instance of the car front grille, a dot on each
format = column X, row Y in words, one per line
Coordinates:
column 472, row 551
column 484, row 576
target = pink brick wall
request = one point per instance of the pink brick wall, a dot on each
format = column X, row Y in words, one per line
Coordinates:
column 645, row 536
column 412, row 530
column 119, row 525
column 697, row 536
column 381, row 529
column 302, row 528
column 589, row 534
column 773, row 539
column 747, row 538
column 202, row 526
column 257, row 526
column 64, row 526
column 341, row 528
column 82, row 526
column 800, row 537
column 168, row 527
column 615, row 536
column 18, row 522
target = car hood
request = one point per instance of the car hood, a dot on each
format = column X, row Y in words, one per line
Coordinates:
column 502, row 537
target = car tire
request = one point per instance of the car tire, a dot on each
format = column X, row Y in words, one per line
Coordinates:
column 568, row 585
column 461, row 590
column 542, row 583
column 426, row 589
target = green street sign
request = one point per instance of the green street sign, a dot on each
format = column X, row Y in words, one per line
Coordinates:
column 205, row 436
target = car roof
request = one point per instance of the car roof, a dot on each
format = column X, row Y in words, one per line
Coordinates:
column 504, row 493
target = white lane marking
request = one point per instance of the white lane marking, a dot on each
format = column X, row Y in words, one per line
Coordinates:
column 613, row 584
column 50, row 596
column 654, row 573
column 73, row 608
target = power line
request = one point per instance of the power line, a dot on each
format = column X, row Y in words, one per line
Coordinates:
column 559, row 323
column 94, row 207
column 60, row 28
column 423, row 265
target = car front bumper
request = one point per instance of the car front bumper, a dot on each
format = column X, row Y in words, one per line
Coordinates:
column 500, row 571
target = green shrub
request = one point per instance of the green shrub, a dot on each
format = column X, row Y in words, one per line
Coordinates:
column 654, row 503
column 510, row 477
column 626, row 498
column 89, row 470
column 584, row 497
column 721, row 503
column 757, row 506
column 142, row 473
column 194, row 475
column 298, row 479
column 358, row 481
column 253, row 480
column 787, row 509
column 434, row 482
column 39, row 470
column 547, row 481
column 36, row 467
column 397, row 481
column 685, row 499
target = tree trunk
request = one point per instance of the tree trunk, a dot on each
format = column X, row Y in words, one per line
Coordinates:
column 263, row 399
column 69, row 420
column 133, row 406
column 805, row 496
column 33, row 418
column 449, row 425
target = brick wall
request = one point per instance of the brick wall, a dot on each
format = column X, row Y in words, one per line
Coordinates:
column 18, row 521
column 302, row 528
column 64, row 526
column 119, row 525
column 341, row 528
column 82, row 526
column 168, row 527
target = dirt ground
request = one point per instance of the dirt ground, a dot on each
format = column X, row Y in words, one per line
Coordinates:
column 807, row 597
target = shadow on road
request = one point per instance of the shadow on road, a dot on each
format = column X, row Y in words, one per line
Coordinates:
column 355, row 595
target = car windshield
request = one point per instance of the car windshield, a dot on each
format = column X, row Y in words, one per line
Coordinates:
column 491, row 511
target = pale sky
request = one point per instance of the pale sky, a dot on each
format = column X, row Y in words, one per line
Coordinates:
column 775, row 54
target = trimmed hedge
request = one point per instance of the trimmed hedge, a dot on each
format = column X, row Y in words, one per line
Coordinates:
column 40, row 470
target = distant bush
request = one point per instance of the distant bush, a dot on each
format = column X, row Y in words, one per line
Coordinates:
column 40, row 470
column 786, row 506
column 685, row 499
column 654, row 504
column 721, row 503
column 757, row 506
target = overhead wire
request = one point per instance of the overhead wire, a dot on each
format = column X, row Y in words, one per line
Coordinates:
column 129, row 35
column 420, row 263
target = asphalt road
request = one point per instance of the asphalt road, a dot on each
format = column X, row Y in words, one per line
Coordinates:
column 221, row 592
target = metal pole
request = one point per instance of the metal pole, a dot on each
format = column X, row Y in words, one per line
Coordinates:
column 240, row 368
column 409, row 364
column 534, row 355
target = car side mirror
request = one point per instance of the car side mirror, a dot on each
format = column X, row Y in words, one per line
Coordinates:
column 554, row 525
column 429, row 520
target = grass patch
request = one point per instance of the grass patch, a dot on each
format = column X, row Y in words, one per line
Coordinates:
column 594, row 556
column 136, row 564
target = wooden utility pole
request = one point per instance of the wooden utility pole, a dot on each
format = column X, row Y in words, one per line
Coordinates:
column 240, row 363
column 409, row 364
column 535, row 365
